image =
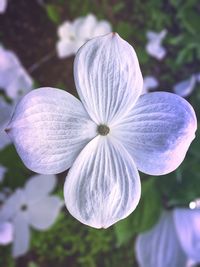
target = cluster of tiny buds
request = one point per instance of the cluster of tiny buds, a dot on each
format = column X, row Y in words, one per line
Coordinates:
column 194, row 204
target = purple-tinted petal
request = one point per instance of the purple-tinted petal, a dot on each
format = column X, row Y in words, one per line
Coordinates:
column 158, row 132
column 49, row 129
column 159, row 247
column 107, row 77
column 187, row 224
column 103, row 185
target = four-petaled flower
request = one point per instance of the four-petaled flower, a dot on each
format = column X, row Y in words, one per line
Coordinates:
column 31, row 206
column 107, row 137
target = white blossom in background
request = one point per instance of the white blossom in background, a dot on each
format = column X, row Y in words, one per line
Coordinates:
column 31, row 206
column 3, row 6
column 105, row 138
column 172, row 242
column 2, row 172
column 14, row 79
column 187, row 224
column 6, row 233
column 154, row 46
column 150, row 82
column 186, row 87
column 72, row 35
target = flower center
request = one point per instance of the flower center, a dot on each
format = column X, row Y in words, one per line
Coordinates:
column 103, row 129
column 24, row 207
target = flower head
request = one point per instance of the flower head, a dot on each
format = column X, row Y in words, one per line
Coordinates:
column 105, row 138
column 31, row 206
column 74, row 34
column 154, row 46
column 172, row 242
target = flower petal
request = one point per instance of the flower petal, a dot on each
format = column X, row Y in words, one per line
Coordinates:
column 21, row 235
column 49, row 129
column 12, row 205
column 66, row 48
column 107, row 77
column 160, row 246
column 39, row 186
column 103, row 185
column 158, row 131
column 187, row 224
column 102, row 27
column 6, row 233
column 186, row 87
column 43, row 213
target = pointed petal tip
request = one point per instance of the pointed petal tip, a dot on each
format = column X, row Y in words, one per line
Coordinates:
column 7, row 130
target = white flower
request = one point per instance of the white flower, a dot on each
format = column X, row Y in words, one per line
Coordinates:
column 6, row 233
column 186, row 87
column 3, row 6
column 2, row 172
column 107, row 137
column 150, row 82
column 74, row 34
column 154, row 46
column 31, row 206
column 14, row 79
column 172, row 242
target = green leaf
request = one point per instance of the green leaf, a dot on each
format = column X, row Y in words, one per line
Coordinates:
column 124, row 29
column 118, row 7
column 53, row 13
column 16, row 173
column 144, row 217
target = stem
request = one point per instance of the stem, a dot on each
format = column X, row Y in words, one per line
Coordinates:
column 43, row 60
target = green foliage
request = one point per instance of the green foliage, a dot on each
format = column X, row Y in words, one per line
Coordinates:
column 83, row 246
column 118, row 7
column 53, row 13
column 124, row 29
column 16, row 173
column 145, row 215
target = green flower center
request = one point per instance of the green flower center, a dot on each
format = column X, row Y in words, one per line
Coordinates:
column 103, row 129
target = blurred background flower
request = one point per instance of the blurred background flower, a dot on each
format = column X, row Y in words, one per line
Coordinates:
column 38, row 40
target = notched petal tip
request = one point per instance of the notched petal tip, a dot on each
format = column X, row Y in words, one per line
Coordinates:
column 103, row 185
column 107, row 66
column 7, row 130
